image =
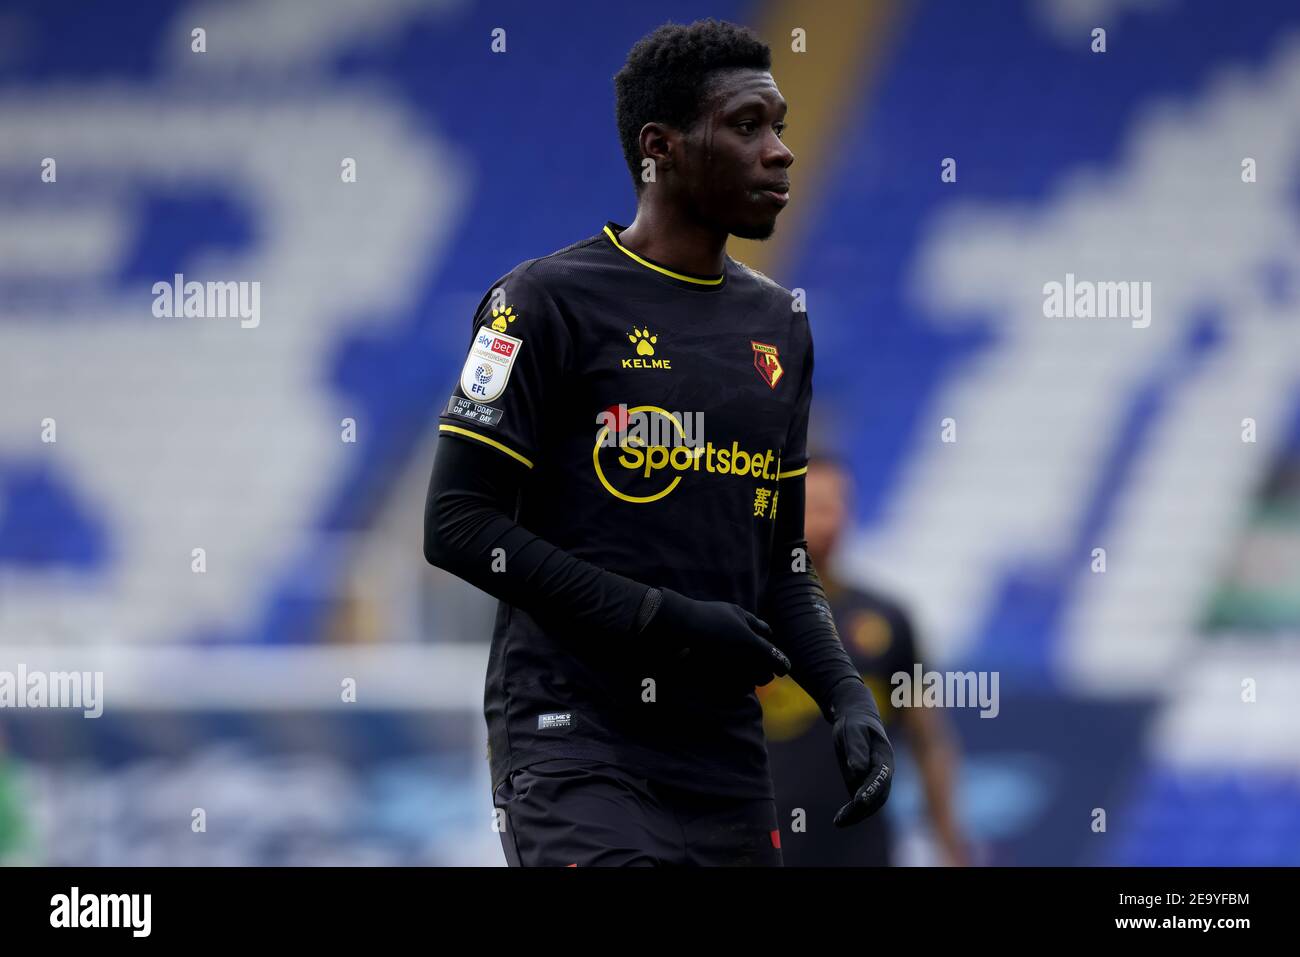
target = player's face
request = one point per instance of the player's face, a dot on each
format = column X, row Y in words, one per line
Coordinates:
column 735, row 168
column 826, row 508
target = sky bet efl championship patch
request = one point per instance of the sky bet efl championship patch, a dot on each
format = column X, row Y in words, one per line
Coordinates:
column 487, row 369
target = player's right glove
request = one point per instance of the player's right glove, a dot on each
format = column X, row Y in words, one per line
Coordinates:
column 715, row 635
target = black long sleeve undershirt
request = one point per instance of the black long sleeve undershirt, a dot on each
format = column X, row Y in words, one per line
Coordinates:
column 470, row 512
column 795, row 605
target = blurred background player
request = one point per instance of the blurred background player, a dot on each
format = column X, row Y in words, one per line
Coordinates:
column 879, row 638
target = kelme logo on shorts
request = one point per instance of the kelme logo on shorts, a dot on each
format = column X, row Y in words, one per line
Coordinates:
column 556, row 719
column 643, row 453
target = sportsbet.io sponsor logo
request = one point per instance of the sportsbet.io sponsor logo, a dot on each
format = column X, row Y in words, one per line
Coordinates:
column 642, row 453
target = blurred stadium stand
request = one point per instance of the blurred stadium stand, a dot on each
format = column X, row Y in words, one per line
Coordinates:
column 1121, row 691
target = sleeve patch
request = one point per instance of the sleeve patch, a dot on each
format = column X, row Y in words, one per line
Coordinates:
column 473, row 411
column 488, row 365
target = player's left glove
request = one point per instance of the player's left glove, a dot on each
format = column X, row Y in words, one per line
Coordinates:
column 865, row 755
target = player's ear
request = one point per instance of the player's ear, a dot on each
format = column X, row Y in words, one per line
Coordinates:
column 657, row 144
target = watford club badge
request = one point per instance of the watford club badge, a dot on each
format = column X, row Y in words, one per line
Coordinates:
column 767, row 362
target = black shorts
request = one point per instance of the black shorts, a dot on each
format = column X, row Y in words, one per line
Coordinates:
column 566, row 812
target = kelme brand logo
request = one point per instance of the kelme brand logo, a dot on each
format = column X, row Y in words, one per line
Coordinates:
column 645, row 351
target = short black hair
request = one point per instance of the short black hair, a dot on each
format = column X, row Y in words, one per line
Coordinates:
column 666, row 77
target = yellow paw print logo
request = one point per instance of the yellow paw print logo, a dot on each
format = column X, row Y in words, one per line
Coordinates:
column 642, row 340
column 501, row 318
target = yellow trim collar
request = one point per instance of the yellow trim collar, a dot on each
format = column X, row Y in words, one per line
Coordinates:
column 660, row 269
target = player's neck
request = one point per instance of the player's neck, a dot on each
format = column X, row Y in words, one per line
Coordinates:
column 664, row 235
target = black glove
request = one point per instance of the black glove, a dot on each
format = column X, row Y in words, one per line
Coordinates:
column 865, row 755
column 716, row 635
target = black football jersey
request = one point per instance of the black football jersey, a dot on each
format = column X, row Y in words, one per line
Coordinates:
column 656, row 413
